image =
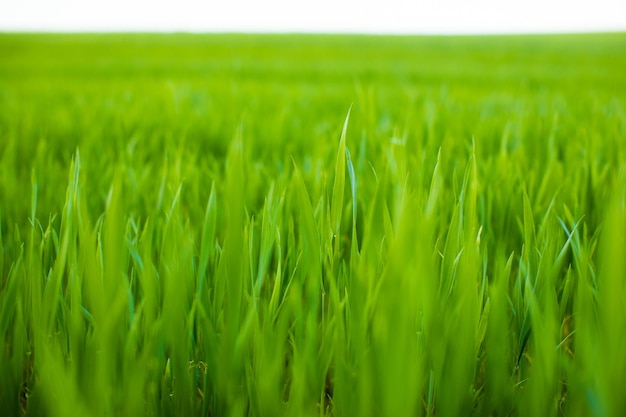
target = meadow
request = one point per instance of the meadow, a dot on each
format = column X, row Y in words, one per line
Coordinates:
column 312, row 225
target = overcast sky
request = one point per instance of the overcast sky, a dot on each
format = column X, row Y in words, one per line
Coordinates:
column 357, row 16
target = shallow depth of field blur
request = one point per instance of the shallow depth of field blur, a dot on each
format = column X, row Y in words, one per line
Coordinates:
column 312, row 225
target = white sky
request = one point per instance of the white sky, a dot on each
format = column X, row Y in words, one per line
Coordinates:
column 357, row 16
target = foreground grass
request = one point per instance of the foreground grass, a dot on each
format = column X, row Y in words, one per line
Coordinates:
column 199, row 225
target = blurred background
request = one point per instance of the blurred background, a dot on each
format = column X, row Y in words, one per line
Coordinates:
column 325, row 16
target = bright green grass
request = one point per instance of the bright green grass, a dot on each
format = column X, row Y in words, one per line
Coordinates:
column 189, row 228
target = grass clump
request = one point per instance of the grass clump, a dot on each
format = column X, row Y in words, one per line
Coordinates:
column 199, row 225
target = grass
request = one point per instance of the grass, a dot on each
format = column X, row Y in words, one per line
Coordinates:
column 235, row 225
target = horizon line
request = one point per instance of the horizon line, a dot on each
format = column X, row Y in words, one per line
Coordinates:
column 126, row 31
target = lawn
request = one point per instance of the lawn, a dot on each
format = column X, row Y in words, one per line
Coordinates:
column 312, row 225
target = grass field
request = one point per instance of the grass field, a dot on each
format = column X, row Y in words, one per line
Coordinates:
column 238, row 225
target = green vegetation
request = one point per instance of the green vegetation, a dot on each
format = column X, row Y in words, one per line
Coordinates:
column 234, row 225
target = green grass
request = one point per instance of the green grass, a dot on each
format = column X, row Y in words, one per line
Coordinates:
column 235, row 225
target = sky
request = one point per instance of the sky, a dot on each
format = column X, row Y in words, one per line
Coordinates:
column 328, row 16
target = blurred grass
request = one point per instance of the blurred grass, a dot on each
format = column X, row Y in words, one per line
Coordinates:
column 178, row 235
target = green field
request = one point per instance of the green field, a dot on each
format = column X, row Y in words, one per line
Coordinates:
column 291, row 225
